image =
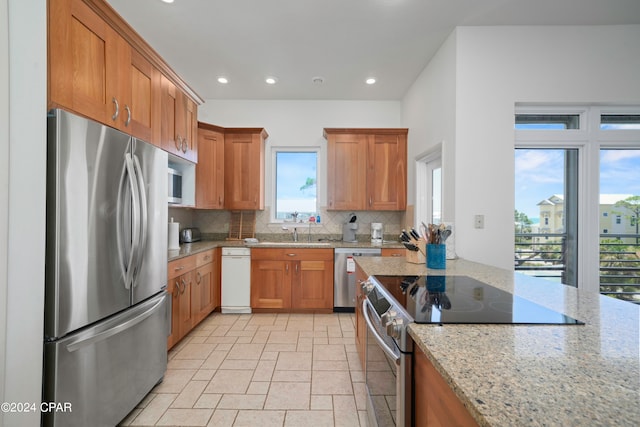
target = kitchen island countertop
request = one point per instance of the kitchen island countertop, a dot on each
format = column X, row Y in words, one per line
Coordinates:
column 507, row 375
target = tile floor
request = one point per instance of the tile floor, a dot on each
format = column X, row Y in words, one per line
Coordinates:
column 261, row 370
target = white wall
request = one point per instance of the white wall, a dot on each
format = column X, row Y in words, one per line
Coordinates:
column 4, row 186
column 497, row 67
column 428, row 110
column 22, row 372
column 299, row 123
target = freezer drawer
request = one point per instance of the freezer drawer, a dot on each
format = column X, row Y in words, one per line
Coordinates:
column 105, row 370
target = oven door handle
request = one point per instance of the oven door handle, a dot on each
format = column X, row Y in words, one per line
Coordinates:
column 388, row 350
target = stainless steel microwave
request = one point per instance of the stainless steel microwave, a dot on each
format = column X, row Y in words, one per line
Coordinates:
column 175, row 186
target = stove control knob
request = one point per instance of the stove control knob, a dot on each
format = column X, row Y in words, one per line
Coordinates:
column 366, row 286
column 388, row 317
column 395, row 328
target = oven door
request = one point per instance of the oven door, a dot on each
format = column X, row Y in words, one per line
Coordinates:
column 387, row 374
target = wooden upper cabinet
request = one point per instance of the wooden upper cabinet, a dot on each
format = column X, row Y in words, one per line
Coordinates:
column 85, row 60
column 145, row 110
column 179, row 127
column 346, row 171
column 100, row 68
column 210, row 167
column 387, row 172
column 244, row 168
column 366, row 169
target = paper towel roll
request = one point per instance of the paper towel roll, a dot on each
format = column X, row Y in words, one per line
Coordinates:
column 174, row 229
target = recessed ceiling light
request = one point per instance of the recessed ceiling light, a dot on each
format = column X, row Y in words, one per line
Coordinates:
column 222, row 79
column 271, row 80
column 168, row 1
column 370, row 81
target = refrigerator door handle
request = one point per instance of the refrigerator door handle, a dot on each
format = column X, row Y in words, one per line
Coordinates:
column 144, row 215
column 135, row 221
column 83, row 342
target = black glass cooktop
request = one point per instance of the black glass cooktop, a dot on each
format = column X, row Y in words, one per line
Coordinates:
column 461, row 299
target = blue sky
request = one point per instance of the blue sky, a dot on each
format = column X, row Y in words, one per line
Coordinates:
column 292, row 172
column 539, row 174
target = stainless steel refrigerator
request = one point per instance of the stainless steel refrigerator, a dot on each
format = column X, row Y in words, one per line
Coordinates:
column 106, row 305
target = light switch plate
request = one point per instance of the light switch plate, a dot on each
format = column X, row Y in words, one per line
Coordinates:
column 478, row 221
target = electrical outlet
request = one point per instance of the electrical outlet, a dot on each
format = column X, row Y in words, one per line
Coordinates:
column 478, row 221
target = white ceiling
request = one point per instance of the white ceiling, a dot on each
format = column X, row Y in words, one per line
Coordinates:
column 343, row 41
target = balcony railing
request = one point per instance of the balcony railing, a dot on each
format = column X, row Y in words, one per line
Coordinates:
column 543, row 255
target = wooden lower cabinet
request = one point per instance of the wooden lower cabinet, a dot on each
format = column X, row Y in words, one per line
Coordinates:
column 434, row 403
column 292, row 280
column 194, row 287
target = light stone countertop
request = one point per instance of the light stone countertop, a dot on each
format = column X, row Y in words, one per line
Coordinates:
column 187, row 249
column 523, row 375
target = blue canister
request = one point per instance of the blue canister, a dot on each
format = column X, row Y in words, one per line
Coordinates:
column 318, row 219
column 437, row 256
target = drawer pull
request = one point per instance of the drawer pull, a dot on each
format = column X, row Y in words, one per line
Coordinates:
column 291, row 254
column 179, row 268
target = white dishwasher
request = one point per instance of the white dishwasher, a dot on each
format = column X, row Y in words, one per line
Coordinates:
column 236, row 280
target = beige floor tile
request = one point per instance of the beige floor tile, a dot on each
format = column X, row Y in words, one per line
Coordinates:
column 283, row 337
column 331, row 382
column 204, row 374
column 329, row 352
column 357, row 376
column 195, row 351
column 189, row 394
column 184, row 363
column 291, row 376
column 185, row 417
column 221, row 340
column 258, row 387
column 330, row 365
column 245, row 340
column 154, row 410
column 242, row 401
column 299, row 325
column 174, row 380
column 223, row 418
column 208, row 400
column 288, row 395
column 259, row 419
column 231, row 381
column 364, row 420
column 214, row 360
column 322, row 402
column 295, row 361
column 309, row 418
column 264, row 370
column 280, row 347
column 360, row 395
column 238, row 364
column 246, row 351
column 269, row 355
column 260, row 337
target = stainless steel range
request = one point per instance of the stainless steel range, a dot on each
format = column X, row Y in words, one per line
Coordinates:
column 393, row 302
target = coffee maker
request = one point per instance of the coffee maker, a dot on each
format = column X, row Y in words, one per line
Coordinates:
column 349, row 229
column 376, row 233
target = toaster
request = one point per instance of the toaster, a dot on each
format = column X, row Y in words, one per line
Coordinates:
column 190, row 235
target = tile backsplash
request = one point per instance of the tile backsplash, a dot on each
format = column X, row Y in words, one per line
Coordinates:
column 217, row 222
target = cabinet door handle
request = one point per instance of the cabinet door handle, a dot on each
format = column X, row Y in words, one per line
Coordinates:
column 184, row 286
column 178, row 142
column 198, row 277
column 296, row 268
column 126, row 123
column 178, row 288
column 117, row 112
column 219, row 201
column 286, row 267
column 185, row 145
column 370, row 200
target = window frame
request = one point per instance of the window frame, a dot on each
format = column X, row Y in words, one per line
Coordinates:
column 273, row 193
column 589, row 139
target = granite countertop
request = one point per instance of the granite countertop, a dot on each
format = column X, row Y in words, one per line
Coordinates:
column 506, row 375
column 187, row 249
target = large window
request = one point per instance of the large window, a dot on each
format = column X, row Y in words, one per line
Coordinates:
column 296, row 184
column 577, row 200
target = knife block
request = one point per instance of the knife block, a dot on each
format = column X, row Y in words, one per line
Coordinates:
column 417, row 257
